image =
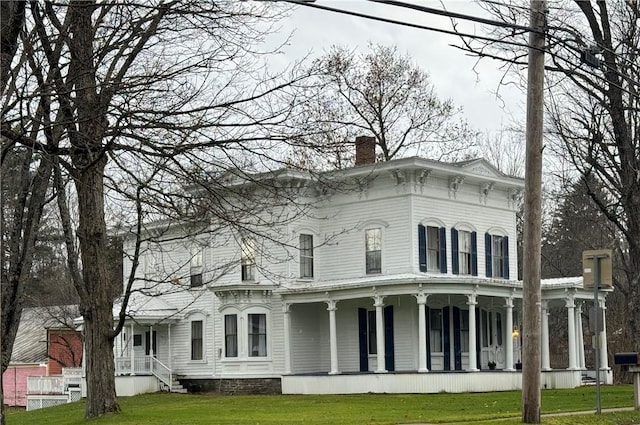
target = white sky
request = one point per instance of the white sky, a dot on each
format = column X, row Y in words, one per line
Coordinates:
column 451, row 70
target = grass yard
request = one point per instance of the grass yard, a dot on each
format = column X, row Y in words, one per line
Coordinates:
column 209, row 409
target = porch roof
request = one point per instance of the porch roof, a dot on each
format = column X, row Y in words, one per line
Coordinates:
column 428, row 283
column 145, row 308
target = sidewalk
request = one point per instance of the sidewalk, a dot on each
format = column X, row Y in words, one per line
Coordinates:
column 545, row 415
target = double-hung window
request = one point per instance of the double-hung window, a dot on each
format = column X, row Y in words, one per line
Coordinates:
column 306, row 256
column 373, row 248
column 432, row 249
column 497, row 256
column 231, row 335
column 464, row 257
column 249, row 327
column 464, row 252
column 195, row 267
column 257, row 330
column 248, row 259
column 197, row 346
column 435, row 332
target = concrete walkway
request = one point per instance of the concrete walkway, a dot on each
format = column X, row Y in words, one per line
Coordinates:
column 545, row 415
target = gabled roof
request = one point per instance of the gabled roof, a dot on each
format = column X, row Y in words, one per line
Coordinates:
column 30, row 345
column 480, row 166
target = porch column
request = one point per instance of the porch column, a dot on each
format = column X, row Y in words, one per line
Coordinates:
column 169, row 345
column 579, row 337
column 604, row 358
column 286, row 308
column 422, row 332
column 546, row 364
column 333, row 338
column 379, row 304
column 151, row 354
column 571, row 331
column 509, row 337
column 473, row 364
column 132, row 354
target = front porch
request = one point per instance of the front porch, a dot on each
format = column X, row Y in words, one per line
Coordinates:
column 423, row 383
column 143, row 349
column 427, row 335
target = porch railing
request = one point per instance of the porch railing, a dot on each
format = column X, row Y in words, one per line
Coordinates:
column 45, row 385
column 161, row 371
column 144, row 365
column 141, row 365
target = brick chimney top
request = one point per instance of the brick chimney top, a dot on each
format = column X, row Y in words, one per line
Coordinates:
column 365, row 150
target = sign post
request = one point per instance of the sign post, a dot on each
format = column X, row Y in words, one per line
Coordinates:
column 598, row 274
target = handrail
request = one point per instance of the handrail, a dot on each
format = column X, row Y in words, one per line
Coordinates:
column 161, row 371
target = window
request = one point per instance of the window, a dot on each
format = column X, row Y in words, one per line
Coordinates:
column 231, row 335
column 497, row 256
column 196, row 340
column 487, row 326
column 257, row 329
column 248, row 259
column 196, row 268
column 306, row 256
column 432, row 249
column 464, row 330
column 464, row 253
column 464, row 256
column 372, row 341
column 137, row 340
column 435, row 337
column 499, row 328
column 373, row 248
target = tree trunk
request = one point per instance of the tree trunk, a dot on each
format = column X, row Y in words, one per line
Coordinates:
column 96, row 302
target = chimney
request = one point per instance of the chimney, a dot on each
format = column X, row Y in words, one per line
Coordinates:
column 365, row 150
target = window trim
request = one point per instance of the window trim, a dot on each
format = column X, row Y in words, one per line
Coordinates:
column 242, row 329
column 367, row 270
column 455, row 254
column 192, row 340
column 196, row 266
column 250, row 334
column 440, row 264
column 233, row 335
column 248, row 269
column 490, row 258
column 306, row 257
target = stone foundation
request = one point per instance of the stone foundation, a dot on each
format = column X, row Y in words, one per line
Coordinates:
column 234, row 386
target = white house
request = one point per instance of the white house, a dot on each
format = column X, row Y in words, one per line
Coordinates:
column 407, row 283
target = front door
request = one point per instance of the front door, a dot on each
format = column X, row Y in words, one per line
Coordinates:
column 150, row 343
column 492, row 329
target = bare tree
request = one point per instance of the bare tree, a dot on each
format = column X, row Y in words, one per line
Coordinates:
column 135, row 100
column 384, row 94
column 593, row 76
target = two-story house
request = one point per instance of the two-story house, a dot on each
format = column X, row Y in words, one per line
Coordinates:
column 406, row 282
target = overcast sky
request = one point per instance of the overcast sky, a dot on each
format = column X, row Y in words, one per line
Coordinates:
column 450, row 69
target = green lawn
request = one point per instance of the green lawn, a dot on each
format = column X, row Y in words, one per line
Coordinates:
column 178, row 409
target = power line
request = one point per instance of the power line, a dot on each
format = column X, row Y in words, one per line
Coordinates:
column 406, row 24
column 456, row 15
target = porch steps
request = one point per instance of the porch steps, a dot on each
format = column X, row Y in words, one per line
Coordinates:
column 176, row 387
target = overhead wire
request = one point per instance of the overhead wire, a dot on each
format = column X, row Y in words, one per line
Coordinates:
column 455, row 15
column 403, row 23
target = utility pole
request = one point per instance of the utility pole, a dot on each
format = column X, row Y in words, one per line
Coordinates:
column 532, row 295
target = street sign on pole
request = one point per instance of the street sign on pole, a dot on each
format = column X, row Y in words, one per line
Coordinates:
column 604, row 256
column 596, row 274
